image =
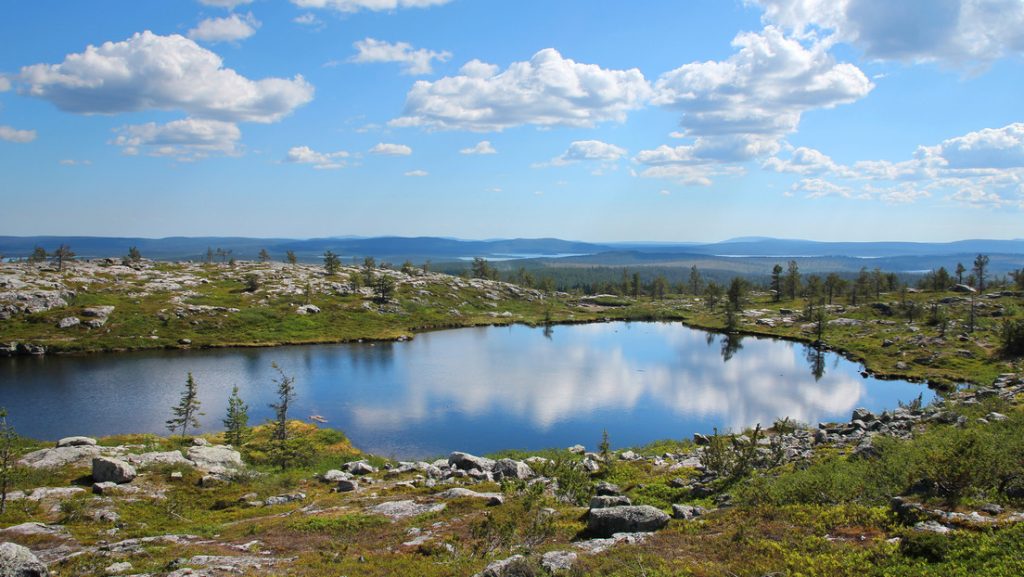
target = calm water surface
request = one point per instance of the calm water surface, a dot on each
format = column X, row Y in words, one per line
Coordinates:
column 476, row 390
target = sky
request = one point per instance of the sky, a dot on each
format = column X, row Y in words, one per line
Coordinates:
column 595, row 120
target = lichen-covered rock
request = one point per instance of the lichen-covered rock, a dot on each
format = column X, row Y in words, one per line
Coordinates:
column 76, row 442
column 626, row 519
column 74, row 456
column 512, row 469
column 467, row 462
column 216, row 459
column 106, row 469
column 18, row 561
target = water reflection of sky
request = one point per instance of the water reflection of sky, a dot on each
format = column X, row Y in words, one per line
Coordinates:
column 476, row 389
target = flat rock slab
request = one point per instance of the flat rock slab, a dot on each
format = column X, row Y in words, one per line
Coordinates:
column 144, row 460
column 215, row 459
column 404, row 509
column 105, row 469
column 73, row 455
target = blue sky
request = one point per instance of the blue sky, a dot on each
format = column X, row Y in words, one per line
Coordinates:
column 591, row 120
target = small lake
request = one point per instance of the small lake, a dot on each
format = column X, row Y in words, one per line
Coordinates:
column 475, row 389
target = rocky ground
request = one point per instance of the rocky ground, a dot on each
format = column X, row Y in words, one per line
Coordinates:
column 548, row 513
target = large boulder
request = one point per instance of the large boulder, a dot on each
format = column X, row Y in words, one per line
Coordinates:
column 467, row 462
column 76, row 442
column 173, row 458
column 512, row 469
column 216, row 459
column 74, row 456
column 605, row 501
column 18, row 561
column 108, row 470
column 627, row 519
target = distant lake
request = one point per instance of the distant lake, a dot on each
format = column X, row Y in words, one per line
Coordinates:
column 473, row 389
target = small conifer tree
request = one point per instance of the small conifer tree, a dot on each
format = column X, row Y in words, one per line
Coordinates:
column 186, row 413
column 236, row 421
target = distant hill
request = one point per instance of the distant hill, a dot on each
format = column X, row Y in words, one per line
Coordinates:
column 746, row 255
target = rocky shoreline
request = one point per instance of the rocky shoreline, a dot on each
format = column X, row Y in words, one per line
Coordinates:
column 130, row 473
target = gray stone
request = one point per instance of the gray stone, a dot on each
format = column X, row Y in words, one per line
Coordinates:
column 993, row 416
column 628, row 456
column 68, row 322
column 862, row 414
column 282, row 499
column 512, row 469
column 627, row 519
column 308, row 310
column 112, row 470
column 606, row 488
column 511, row 567
column 404, row 509
column 346, row 485
column 118, row 568
column 463, row 493
column 577, row 449
column 359, row 468
column 100, row 312
column 159, row 458
column 467, row 462
column 76, row 442
column 18, row 561
column 216, row 459
column 932, row 527
column 75, row 456
column 605, row 501
column 334, row 475
column 687, row 512
column 555, row 561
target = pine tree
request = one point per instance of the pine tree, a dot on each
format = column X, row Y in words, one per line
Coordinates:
column 264, row 255
column 236, row 421
column 280, row 448
column 331, row 262
column 290, row 257
column 186, row 413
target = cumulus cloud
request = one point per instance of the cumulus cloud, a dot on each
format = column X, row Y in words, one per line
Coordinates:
column 547, row 90
column 980, row 168
column 803, row 160
column 319, row 160
column 582, row 150
column 413, row 61
column 372, row 5
column 740, row 108
column 956, row 32
column 228, row 29
column 11, row 134
column 308, row 19
column 229, row 4
column 185, row 139
column 417, row 173
column 482, row 147
column 389, row 149
column 149, row 71
column 5, row 84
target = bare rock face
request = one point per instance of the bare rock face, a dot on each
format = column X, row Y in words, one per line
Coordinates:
column 18, row 561
column 72, row 455
column 467, row 462
column 105, row 469
column 76, row 442
column 512, row 469
column 216, row 459
column 626, row 519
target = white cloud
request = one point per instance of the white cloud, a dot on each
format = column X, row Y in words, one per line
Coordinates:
column 818, row 188
column 307, row 19
column 740, row 108
column 187, row 139
column 956, row 32
column 14, row 135
column 228, row 29
column 373, row 5
column 5, row 84
column 482, row 147
column 391, row 149
column 581, row 150
column 413, row 61
column 74, row 162
column 319, row 160
column 987, row 148
column 803, row 160
column 229, row 4
column 547, row 90
column 417, row 173
column 149, row 71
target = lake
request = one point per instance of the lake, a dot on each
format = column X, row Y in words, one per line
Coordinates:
column 474, row 389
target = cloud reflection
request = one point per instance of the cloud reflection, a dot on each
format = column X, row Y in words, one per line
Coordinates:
column 591, row 369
